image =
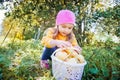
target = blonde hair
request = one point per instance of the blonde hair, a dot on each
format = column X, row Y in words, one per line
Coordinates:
column 56, row 31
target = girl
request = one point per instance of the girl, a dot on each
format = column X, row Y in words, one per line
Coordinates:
column 59, row 37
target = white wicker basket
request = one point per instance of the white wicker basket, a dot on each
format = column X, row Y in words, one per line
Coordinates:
column 66, row 71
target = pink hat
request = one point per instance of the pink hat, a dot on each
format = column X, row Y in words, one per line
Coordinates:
column 65, row 16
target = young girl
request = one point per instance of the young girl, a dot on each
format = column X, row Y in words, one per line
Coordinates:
column 60, row 36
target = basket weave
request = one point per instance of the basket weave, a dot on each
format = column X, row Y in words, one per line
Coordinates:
column 66, row 71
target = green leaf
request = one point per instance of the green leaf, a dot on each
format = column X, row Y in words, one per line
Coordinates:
column 105, row 71
column 94, row 71
column 99, row 78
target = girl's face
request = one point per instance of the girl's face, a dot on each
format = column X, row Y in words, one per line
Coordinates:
column 65, row 29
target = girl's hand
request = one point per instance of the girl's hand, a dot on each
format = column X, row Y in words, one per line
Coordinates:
column 63, row 44
column 78, row 49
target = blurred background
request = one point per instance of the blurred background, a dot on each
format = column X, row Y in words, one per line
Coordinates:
column 22, row 23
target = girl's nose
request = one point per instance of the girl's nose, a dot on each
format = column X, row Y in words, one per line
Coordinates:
column 66, row 30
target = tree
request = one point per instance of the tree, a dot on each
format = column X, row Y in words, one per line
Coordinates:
column 29, row 15
column 110, row 18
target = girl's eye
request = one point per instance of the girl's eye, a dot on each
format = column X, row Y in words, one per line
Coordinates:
column 69, row 27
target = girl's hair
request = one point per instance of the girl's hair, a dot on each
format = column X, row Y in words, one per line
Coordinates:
column 69, row 37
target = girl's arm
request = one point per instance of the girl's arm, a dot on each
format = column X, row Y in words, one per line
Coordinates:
column 47, row 37
column 49, row 42
column 60, row 43
column 75, row 44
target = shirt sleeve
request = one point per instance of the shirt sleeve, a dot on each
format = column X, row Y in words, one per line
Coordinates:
column 74, row 41
column 47, row 37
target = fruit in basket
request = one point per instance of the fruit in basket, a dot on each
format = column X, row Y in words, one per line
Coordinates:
column 80, row 58
column 70, row 56
column 71, row 60
column 73, row 53
column 61, row 55
column 77, row 59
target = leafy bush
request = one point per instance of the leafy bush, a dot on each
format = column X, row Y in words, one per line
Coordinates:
column 4, row 61
column 102, row 63
column 20, row 60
